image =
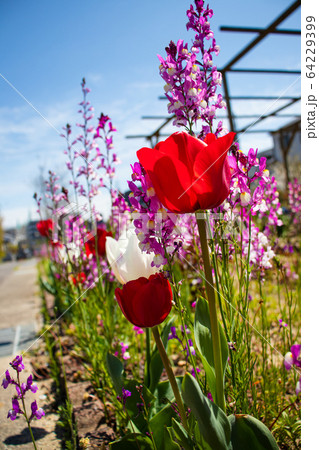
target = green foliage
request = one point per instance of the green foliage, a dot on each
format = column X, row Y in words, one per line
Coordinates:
column 203, row 339
column 47, row 287
column 211, row 420
column 169, row 443
column 131, row 406
column 164, row 393
column 248, row 432
column 67, row 423
column 133, row 441
column 158, row 424
column 116, row 370
column 181, row 436
column 156, row 364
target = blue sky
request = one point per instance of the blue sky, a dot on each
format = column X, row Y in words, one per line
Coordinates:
column 47, row 47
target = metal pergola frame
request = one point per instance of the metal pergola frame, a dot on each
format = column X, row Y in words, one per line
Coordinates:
column 154, row 137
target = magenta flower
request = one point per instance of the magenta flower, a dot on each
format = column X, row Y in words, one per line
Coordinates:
column 138, row 330
column 125, row 394
column 17, row 364
column 36, row 412
column 30, row 385
column 12, row 414
column 293, row 358
column 7, row 380
column 125, row 353
column 282, row 324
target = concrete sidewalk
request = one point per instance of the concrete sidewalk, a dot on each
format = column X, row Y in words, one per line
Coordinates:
column 19, row 320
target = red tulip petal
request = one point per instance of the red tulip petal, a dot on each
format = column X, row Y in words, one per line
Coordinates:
column 145, row 302
column 210, row 138
column 171, row 180
column 125, row 298
column 212, row 173
column 153, row 302
column 183, row 147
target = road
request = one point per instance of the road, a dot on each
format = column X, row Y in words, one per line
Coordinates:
column 19, row 320
column 19, row 305
column 6, row 268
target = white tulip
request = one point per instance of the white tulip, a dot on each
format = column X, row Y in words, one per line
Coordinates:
column 127, row 260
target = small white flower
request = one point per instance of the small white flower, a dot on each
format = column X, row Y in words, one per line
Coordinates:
column 192, row 92
column 245, row 198
column 171, row 71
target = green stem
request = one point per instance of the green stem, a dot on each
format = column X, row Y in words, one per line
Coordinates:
column 181, row 314
column 222, row 312
column 31, row 434
column 170, row 375
column 220, row 400
column 148, row 356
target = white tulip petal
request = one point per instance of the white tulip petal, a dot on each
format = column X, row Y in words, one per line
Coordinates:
column 127, row 260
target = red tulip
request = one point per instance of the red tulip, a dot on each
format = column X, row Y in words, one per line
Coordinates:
column 146, row 302
column 101, row 241
column 45, row 227
column 189, row 174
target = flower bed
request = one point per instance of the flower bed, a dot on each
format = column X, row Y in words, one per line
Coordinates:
column 181, row 311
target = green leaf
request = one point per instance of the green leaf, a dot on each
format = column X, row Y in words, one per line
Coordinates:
column 181, row 435
column 136, row 415
column 156, row 364
column 47, row 287
column 168, row 441
column 248, row 432
column 116, row 370
column 159, row 422
column 203, row 339
column 200, row 441
column 212, row 421
column 155, row 370
column 133, row 441
column 164, row 392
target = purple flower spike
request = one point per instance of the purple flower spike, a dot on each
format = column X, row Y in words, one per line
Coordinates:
column 30, row 385
column 125, row 394
column 38, row 413
column 34, row 388
column 17, row 363
column 172, row 334
column 7, row 380
column 12, row 414
column 34, row 407
column 21, row 391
